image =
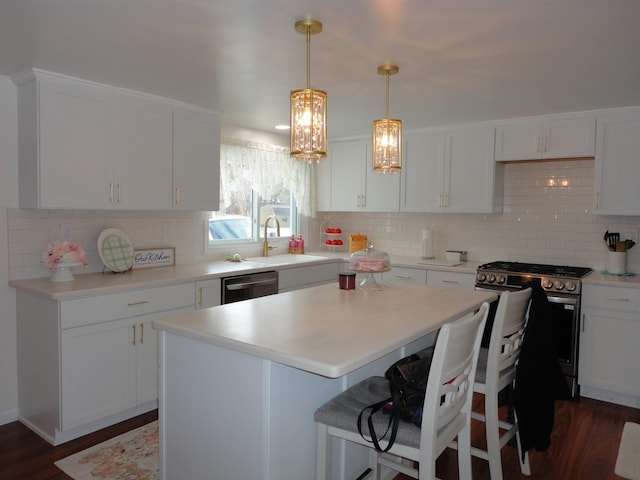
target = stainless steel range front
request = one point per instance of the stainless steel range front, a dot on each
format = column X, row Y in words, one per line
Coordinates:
column 562, row 285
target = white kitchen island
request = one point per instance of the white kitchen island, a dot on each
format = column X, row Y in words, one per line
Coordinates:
column 239, row 383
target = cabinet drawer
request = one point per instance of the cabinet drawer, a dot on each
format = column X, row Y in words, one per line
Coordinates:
column 438, row 278
column 86, row 311
column 406, row 275
column 619, row 299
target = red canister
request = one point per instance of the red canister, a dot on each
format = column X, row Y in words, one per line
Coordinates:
column 347, row 281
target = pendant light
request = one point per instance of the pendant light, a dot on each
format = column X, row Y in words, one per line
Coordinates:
column 308, row 108
column 387, row 135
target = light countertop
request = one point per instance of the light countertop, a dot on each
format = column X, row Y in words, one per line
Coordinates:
column 600, row 278
column 325, row 330
column 89, row 284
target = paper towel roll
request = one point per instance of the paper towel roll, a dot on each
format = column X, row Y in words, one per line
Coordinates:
column 427, row 243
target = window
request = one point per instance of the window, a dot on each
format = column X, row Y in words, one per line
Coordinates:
column 258, row 181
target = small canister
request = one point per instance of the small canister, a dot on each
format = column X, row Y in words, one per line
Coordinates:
column 347, row 281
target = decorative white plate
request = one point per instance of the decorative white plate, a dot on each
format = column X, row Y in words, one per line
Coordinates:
column 115, row 250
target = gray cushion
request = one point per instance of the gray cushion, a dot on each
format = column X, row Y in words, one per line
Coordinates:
column 342, row 412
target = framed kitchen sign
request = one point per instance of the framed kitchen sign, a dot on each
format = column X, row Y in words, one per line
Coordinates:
column 154, row 257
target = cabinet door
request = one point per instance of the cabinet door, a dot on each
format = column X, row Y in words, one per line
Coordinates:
column 609, row 354
column 422, row 171
column 519, row 141
column 142, row 157
column 382, row 191
column 98, row 365
column 208, row 293
column 617, row 164
column 74, row 168
column 196, row 161
column 347, row 190
column 569, row 138
column 469, row 174
column 147, row 362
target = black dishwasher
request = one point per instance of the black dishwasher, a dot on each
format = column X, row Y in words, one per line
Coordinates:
column 252, row 285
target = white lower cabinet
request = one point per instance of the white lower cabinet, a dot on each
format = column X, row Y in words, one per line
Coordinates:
column 441, row 278
column 609, row 354
column 208, row 293
column 87, row 363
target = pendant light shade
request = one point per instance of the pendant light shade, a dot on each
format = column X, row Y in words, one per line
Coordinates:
column 308, row 109
column 387, row 135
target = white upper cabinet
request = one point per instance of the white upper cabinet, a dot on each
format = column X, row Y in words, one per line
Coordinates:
column 546, row 138
column 347, row 182
column 422, row 172
column 470, row 183
column 89, row 146
column 196, row 160
column 617, row 163
column 451, row 171
column 141, row 136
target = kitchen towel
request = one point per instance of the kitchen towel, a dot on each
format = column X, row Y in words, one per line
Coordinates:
column 628, row 462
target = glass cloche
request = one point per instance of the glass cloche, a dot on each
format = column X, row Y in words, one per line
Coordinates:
column 369, row 261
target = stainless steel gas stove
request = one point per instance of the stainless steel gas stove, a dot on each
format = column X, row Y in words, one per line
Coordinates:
column 562, row 285
column 512, row 275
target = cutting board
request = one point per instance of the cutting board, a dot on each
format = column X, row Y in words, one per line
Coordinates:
column 438, row 262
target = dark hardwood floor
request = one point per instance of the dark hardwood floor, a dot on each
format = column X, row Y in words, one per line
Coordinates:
column 26, row 456
column 584, row 446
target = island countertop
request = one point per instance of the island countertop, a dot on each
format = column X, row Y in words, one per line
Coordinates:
column 326, row 330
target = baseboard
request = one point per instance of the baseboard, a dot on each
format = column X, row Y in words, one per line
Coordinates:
column 8, row 416
column 609, row 396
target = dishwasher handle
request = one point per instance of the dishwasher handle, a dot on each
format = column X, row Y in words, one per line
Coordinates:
column 248, row 285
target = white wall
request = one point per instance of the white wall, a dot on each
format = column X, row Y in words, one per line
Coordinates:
column 8, row 197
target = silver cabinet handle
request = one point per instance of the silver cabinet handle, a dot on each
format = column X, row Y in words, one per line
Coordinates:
column 620, row 299
column 133, row 342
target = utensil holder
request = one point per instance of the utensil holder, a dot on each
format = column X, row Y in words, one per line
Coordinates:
column 617, row 263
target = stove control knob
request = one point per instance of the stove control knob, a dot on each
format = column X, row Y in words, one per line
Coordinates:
column 547, row 284
column 500, row 279
column 491, row 278
column 571, row 286
column 481, row 277
column 559, row 284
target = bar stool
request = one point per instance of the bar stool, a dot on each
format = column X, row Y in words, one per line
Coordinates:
column 446, row 411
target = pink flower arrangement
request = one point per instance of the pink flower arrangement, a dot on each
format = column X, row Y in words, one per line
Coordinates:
column 63, row 252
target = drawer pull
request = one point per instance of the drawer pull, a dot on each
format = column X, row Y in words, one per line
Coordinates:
column 134, row 335
column 133, row 304
column 200, row 296
column 403, row 276
column 450, row 281
column 620, row 299
column 141, row 333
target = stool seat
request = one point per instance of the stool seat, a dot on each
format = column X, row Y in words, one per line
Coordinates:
column 342, row 411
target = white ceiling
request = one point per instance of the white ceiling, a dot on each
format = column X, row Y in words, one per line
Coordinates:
column 460, row 60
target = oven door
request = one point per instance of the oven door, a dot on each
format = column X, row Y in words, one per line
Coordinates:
column 565, row 311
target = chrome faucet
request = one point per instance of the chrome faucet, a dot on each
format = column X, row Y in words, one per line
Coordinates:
column 265, row 244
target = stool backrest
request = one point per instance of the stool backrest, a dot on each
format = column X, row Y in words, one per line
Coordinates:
column 447, row 404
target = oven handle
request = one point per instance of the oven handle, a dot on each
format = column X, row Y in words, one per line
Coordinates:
column 551, row 297
column 248, row 285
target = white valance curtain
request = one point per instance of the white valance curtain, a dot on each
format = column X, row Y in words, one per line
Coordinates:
column 264, row 168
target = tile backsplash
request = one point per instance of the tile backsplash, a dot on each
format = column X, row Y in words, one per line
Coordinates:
column 547, row 218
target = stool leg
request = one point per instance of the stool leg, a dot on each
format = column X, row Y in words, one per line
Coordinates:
column 493, row 434
column 323, row 457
